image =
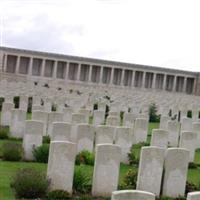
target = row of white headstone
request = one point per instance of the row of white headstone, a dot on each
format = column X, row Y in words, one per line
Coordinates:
column 84, row 135
column 155, row 163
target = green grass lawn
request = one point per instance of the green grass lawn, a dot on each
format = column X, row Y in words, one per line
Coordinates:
column 8, row 169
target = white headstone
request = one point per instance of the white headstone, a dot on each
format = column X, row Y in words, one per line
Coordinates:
column 159, row 138
column 32, row 137
column 141, row 130
column 175, row 176
column 188, row 141
column 61, row 161
column 106, row 170
column 61, row 131
column 124, row 140
column 151, row 169
column 85, row 137
column 104, row 134
column 17, row 125
column 6, row 113
column 132, row 195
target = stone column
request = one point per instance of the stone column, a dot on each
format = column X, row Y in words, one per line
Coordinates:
column 164, row 81
column 154, row 81
column 122, row 78
column 43, row 68
column 55, row 66
column 17, row 65
column 79, row 72
column 67, row 71
column 143, row 79
column 174, row 84
column 133, row 79
column 101, row 74
column 90, row 73
column 111, row 76
column 184, row 84
column 30, row 66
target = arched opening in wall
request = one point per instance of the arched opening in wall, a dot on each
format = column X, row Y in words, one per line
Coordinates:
column 11, row 63
column 24, row 65
column 30, row 102
column 199, row 115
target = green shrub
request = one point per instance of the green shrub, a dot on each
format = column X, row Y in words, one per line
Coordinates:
column 130, row 180
column 46, row 139
column 81, row 181
column 3, row 133
column 133, row 160
column 193, row 165
column 41, row 153
column 85, row 157
column 153, row 117
column 30, row 183
column 11, row 151
column 58, row 194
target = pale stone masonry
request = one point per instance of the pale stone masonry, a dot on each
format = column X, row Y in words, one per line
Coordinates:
column 33, row 65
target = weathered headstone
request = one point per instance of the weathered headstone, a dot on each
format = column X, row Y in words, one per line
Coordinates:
column 41, row 116
column 85, row 137
column 106, row 170
column 61, row 131
column 98, row 117
column 140, row 130
column 17, row 125
column 61, row 161
column 32, row 137
column 176, row 167
column 173, row 129
column 163, row 122
column 124, row 140
column 188, row 141
column 196, row 129
column 159, row 138
column 6, row 113
column 104, row 134
column 151, row 169
column 53, row 117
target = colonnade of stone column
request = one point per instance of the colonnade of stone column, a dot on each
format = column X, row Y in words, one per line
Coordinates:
column 96, row 73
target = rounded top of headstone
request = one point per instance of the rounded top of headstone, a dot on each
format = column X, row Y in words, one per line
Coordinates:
column 133, row 193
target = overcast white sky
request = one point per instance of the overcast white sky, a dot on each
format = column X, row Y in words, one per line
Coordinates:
column 162, row 33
